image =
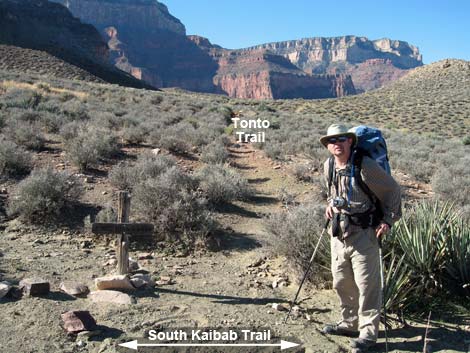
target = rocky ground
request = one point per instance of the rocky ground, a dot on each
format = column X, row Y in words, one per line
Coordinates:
column 244, row 285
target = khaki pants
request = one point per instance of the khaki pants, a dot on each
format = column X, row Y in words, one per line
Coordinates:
column 356, row 279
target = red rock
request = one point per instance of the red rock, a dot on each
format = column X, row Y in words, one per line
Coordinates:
column 78, row 321
column 34, row 286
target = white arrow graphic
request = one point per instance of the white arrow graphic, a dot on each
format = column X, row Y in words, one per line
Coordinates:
column 135, row 345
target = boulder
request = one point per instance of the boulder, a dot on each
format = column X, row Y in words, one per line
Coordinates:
column 116, row 282
column 76, row 289
column 111, row 296
column 78, row 321
column 142, row 280
column 4, row 288
column 35, row 286
column 133, row 265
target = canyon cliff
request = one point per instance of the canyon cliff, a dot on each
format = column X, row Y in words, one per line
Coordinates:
column 49, row 27
column 149, row 43
column 264, row 75
column 371, row 63
column 146, row 41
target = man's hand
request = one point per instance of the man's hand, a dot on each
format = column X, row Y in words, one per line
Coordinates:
column 382, row 229
column 329, row 212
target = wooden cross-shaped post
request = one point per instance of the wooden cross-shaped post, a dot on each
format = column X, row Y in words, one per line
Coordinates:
column 123, row 229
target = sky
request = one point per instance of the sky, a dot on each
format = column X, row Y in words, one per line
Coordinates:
column 440, row 29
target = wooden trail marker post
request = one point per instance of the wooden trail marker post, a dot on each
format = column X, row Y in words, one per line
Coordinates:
column 123, row 229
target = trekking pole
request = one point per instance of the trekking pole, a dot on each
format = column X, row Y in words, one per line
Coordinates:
column 384, row 304
column 308, row 269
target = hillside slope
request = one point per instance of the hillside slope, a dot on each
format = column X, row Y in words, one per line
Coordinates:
column 23, row 60
column 430, row 99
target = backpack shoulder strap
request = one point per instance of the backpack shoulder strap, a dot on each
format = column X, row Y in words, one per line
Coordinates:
column 331, row 169
column 358, row 157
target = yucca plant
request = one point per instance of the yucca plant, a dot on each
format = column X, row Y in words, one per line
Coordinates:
column 458, row 248
column 398, row 289
column 422, row 237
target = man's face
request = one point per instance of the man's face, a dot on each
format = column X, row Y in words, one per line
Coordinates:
column 340, row 146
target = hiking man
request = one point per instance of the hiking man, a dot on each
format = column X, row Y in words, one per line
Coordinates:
column 359, row 217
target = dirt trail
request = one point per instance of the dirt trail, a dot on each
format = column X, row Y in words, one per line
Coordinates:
column 218, row 289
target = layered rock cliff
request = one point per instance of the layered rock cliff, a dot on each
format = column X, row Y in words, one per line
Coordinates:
column 371, row 64
column 147, row 42
column 263, row 75
column 50, row 27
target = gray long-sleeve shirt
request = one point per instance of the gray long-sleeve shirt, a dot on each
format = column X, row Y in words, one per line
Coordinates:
column 384, row 187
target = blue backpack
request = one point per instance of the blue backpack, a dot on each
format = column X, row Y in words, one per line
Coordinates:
column 371, row 143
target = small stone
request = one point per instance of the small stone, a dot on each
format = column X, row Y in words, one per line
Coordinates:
column 117, row 282
column 308, row 317
column 164, row 280
column 86, row 244
column 278, row 307
column 277, row 167
column 104, row 193
column 3, row 191
column 111, row 296
column 111, row 262
column 34, row 286
column 156, row 151
column 75, row 289
column 257, row 263
column 88, row 334
column 4, row 288
column 144, row 256
column 77, row 321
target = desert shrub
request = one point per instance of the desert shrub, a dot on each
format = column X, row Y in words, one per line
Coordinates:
column 127, row 175
column 21, row 98
column 273, row 150
column 171, row 202
column 14, row 160
column 222, row 184
column 106, row 214
column 296, row 234
column 302, row 172
column 214, row 153
column 134, row 134
column 75, row 110
column 90, row 146
column 286, row 197
column 451, row 183
column 173, row 143
column 25, row 134
column 70, row 130
column 52, row 122
column 44, row 195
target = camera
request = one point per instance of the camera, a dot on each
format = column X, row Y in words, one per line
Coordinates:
column 338, row 202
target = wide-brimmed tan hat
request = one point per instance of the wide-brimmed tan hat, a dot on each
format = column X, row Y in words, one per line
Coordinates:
column 337, row 130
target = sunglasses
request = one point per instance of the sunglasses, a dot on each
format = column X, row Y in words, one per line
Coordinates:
column 337, row 139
